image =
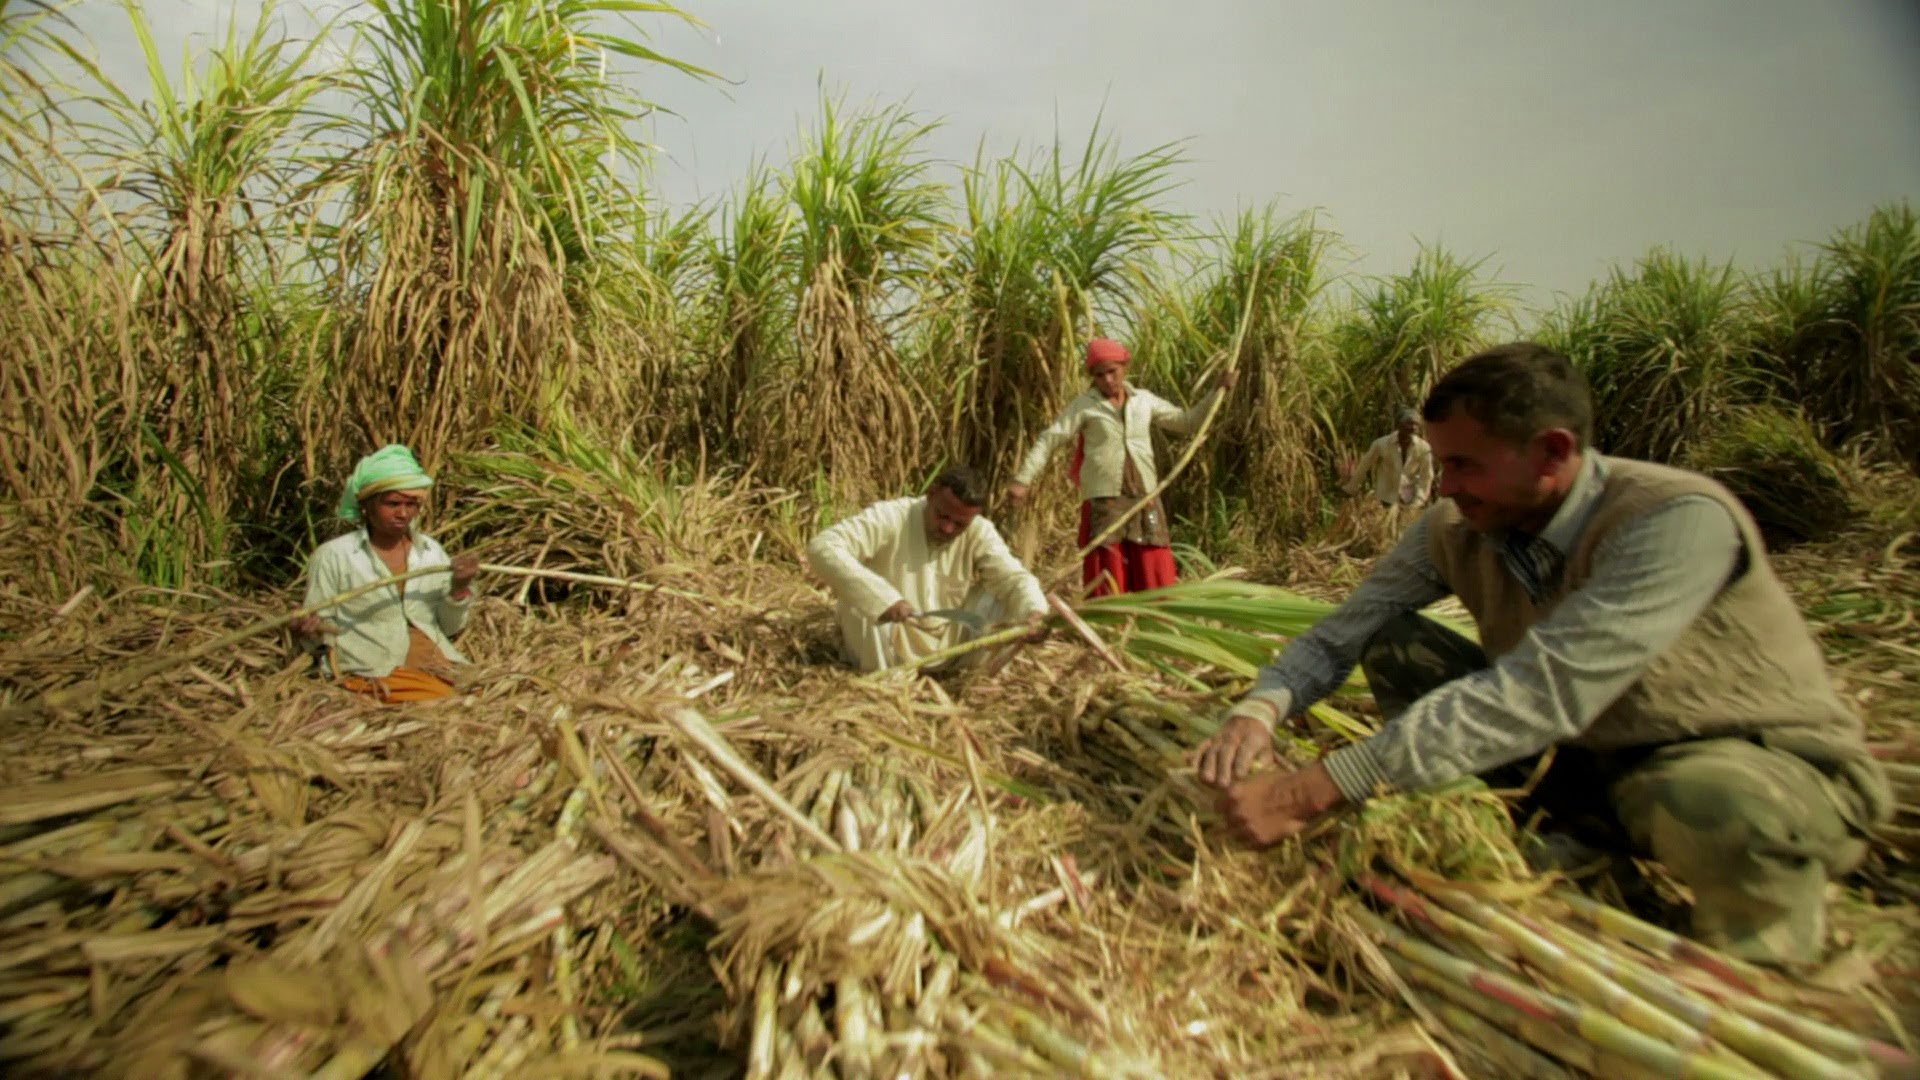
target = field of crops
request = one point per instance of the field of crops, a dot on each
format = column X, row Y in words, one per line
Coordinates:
column 662, row 831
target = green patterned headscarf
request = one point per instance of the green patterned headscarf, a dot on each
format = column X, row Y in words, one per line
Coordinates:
column 390, row 468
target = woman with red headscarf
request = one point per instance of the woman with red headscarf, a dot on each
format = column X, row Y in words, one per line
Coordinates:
column 1111, row 425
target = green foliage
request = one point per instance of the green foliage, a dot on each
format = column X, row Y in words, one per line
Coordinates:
column 1845, row 332
column 1406, row 330
column 1772, row 458
column 1667, row 349
column 218, row 297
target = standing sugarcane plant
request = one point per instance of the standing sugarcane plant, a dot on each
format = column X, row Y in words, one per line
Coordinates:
column 1271, row 440
column 206, row 155
column 1051, row 250
column 749, row 305
column 865, row 229
column 1667, row 349
column 1409, row 328
column 482, row 179
column 63, row 311
column 1860, row 367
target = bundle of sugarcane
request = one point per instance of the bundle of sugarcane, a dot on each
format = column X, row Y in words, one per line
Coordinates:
column 1543, row 984
column 153, row 926
column 869, row 943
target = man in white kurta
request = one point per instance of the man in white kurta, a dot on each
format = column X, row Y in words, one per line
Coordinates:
column 1398, row 467
column 896, row 561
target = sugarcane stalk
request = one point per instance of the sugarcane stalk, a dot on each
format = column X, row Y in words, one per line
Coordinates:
column 1539, row 1033
column 954, row 652
column 1591, row 1024
column 850, row 1021
column 1440, row 922
column 1579, row 978
column 1734, row 984
column 1510, row 1055
column 760, row 1048
column 695, row 727
column 1612, row 922
column 1762, row 1045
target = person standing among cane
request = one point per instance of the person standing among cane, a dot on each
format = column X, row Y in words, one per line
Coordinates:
column 1111, row 425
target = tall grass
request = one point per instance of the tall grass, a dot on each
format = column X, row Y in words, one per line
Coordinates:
column 1268, row 451
column 1667, row 348
column 864, row 229
column 213, row 298
column 1405, row 330
column 1851, row 349
column 1053, row 249
column 482, row 166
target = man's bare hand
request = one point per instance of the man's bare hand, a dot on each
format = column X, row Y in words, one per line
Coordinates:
column 308, row 626
column 1228, row 378
column 901, row 611
column 464, row 567
column 1016, row 495
column 1036, row 628
column 1242, row 742
column 1271, row 807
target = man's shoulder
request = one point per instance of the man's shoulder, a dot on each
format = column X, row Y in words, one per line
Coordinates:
column 1637, row 486
column 889, row 511
column 340, row 546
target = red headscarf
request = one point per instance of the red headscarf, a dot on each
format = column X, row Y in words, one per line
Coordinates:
column 1106, row 351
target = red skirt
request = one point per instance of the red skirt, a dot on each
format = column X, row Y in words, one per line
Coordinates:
column 1125, row 566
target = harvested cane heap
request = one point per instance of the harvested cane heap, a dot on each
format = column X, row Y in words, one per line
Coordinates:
column 662, row 835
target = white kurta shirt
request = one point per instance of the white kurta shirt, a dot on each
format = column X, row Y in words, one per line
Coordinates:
column 373, row 627
column 1111, row 438
column 1396, row 479
column 881, row 556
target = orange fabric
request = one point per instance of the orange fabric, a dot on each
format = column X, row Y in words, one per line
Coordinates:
column 1106, row 351
column 422, row 653
column 404, row 686
column 1126, row 566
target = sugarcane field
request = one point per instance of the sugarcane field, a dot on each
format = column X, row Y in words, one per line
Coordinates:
column 933, row 606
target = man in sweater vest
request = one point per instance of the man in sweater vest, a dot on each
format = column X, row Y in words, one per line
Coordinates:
column 1628, row 617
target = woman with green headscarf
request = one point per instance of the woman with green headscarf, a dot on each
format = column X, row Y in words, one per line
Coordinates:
column 394, row 643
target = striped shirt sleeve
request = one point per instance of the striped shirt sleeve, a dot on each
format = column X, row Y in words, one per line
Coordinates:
column 1650, row 579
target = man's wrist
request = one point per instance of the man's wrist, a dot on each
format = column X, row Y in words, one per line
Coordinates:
column 1327, row 796
column 1263, row 708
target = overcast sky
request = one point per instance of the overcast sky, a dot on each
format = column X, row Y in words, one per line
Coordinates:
column 1554, row 137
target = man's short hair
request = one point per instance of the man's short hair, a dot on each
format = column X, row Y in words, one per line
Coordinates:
column 1517, row 391
column 965, row 482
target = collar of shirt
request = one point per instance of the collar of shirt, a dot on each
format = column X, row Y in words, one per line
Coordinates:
column 1538, row 561
column 419, row 546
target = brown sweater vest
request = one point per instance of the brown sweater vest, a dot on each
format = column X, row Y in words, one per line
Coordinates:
column 1747, row 667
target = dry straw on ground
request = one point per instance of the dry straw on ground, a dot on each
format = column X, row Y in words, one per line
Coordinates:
column 664, row 833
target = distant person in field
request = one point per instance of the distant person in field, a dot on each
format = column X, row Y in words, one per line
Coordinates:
column 895, row 561
column 1397, row 470
column 1110, row 426
column 1628, row 616
column 395, row 643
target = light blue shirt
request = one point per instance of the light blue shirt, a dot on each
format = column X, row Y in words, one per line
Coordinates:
column 372, row 638
column 1649, row 580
